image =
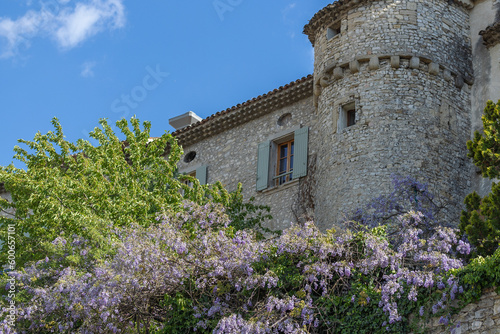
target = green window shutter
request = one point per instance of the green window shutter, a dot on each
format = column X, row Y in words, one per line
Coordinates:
column 300, row 156
column 201, row 174
column 263, row 165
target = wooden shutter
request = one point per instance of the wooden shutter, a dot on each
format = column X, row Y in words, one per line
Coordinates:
column 300, row 155
column 201, row 174
column 263, row 165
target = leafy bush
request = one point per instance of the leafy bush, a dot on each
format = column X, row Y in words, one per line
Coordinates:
column 193, row 271
column 480, row 274
column 80, row 189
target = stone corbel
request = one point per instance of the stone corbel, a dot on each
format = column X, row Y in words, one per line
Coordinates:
column 325, row 81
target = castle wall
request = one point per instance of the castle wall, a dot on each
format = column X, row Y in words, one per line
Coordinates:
column 231, row 157
column 434, row 29
column 407, row 67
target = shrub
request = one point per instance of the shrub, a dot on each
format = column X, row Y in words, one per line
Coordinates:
column 81, row 189
column 193, row 271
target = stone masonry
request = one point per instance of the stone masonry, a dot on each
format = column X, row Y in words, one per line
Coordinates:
column 482, row 317
column 417, row 74
column 409, row 76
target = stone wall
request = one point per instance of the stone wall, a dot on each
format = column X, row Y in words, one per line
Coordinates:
column 412, row 68
column 482, row 317
column 407, row 67
column 231, row 157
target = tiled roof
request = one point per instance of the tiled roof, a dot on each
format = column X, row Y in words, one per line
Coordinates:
column 491, row 35
column 339, row 8
column 246, row 111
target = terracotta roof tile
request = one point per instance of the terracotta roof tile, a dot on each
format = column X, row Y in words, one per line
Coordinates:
column 253, row 108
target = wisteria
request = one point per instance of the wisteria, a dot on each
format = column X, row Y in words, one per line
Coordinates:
column 408, row 195
column 193, row 269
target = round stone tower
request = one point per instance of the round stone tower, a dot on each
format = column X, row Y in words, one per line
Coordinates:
column 392, row 93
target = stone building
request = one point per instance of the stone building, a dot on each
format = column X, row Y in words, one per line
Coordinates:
column 398, row 88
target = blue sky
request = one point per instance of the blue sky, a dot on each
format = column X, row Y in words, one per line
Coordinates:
column 82, row 60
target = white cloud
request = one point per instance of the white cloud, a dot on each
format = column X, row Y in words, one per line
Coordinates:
column 88, row 69
column 69, row 25
column 288, row 9
column 88, row 19
column 286, row 13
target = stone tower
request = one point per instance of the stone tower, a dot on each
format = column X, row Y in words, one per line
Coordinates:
column 392, row 91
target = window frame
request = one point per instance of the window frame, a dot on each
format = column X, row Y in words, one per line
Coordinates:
column 200, row 173
column 191, row 173
column 345, row 111
column 267, row 157
column 288, row 173
column 334, row 30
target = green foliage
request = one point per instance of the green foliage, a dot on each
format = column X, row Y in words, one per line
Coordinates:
column 481, row 220
column 79, row 189
column 181, row 314
column 243, row 215
column 484, row 148
column 480, row 274
column 362, row 314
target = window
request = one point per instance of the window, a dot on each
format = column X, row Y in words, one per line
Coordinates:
column 347, row 116
column 351, row 117
column 333, row 30
column 200, row 173
column 282, row 159
column 189, row 157
column 284, row 164
column 186, row 182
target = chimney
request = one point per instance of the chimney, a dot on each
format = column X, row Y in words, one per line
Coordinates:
column 184, row 120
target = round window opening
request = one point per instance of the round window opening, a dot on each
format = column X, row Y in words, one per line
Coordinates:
column 190, row 156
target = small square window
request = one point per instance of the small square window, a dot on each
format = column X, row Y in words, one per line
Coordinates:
column 333, row 31
column 347, row 116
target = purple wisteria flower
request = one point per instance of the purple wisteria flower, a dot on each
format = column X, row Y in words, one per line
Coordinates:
column 231, row 281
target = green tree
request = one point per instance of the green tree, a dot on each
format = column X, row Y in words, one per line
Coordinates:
column 80, row 189
column 481, row 219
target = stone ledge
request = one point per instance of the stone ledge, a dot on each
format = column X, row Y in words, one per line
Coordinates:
column 276, row 189
column 336, row 71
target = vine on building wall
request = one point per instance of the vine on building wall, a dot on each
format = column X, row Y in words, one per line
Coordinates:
column 303, row 206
